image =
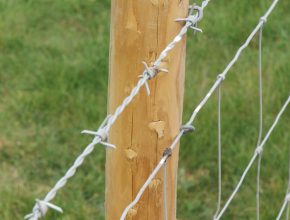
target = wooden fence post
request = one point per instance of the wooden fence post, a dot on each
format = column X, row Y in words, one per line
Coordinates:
column 140, row 30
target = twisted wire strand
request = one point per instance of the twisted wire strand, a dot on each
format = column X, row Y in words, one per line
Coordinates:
column 258, row 151
column 219, row 155
column 194, row 19
column 172, row 44
column 38, row 212
column 126, row 102
column 221, row 77
column 190, row 22
column 260, row 123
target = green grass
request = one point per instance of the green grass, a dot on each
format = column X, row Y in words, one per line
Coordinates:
column 53, row 84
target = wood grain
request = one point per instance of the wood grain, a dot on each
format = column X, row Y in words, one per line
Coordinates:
column 140, row 30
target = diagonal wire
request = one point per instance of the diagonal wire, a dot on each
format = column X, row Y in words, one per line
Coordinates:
column 258, row 189
column 258, row 151
column 151, row 177
column 217, row 83
column 36, row 212
column 148, row 73
column 286, row 201
column 287, row 197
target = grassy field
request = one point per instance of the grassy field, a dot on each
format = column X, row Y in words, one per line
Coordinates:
column 53, row 84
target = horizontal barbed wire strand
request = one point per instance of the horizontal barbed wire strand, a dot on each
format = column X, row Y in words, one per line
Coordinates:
column 220, row 78
column 260, row 123
column 258, row 151
column 148, row 74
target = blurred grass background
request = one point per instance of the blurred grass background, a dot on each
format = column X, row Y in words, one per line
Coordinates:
column 53, row 84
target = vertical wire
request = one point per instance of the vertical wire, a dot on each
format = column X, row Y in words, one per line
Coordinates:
column 164, row 191
column 258, row 188
column 219, row 155
column 288, row 189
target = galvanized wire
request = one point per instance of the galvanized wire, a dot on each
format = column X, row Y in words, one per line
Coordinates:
column 258, row 151
column 190, row 22
column 102, row 134
column 219, row 155
column 286, row 202
column 260, row 122
column 151, row 177
column 221, row 77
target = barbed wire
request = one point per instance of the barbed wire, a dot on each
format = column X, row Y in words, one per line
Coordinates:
column 220, row 78
column 101, row 135
column 257, row 152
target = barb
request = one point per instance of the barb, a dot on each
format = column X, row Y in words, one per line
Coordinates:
column 258, row 151
column 42, row 207
column 221, row 77
column 191, row 20
column 102, row 134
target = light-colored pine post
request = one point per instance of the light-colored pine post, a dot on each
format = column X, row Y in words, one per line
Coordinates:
column 140, row 30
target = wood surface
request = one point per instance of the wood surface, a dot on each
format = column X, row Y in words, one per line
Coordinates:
column 140, row 30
